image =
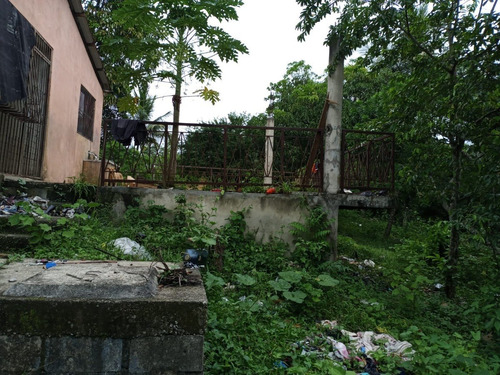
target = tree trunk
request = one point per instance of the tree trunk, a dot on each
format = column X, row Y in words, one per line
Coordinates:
column 176, row 101
column 390, row 222
column 453, row 253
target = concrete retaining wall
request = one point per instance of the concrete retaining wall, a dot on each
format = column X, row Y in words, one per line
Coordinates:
column 267, row 216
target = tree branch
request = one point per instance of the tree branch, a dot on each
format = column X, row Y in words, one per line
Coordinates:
column 408, row 33
column 493, row 111
column 493, row 7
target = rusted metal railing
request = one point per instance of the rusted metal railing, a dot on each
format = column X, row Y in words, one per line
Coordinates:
column 214, row 156
column 367, row 161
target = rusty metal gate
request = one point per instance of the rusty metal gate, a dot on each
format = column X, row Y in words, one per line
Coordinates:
column 22, row 126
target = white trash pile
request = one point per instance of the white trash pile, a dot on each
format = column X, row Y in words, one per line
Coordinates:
column 364, row 342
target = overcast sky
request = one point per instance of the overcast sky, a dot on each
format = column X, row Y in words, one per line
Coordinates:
column 267, row 28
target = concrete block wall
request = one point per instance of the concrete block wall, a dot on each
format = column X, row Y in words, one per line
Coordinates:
column 169, row 355
column 44, row 333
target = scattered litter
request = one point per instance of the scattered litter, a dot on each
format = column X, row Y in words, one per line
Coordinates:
column 69, row 213
column 195, row 258
column 280, row 364
column 42, row 203
column 49, row 265
column 341, row 350
column 130, row 247
column 365, row 340
column 12, row 280
column 8, row 210
column 369, row 263
column 10, row 206
column 361, row 265
column 351, row 350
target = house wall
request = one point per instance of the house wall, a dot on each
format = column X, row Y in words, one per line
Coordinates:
column 64, row 148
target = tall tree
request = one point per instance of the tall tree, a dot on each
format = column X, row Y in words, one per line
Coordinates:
column 144, row 40
column 192, row 47
column 447, row 88
column 297, row 99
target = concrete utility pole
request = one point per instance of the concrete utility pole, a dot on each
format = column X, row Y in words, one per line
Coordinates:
column 333, row 135
column 268, row 163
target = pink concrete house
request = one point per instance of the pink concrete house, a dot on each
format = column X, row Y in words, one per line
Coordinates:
column 51, row 89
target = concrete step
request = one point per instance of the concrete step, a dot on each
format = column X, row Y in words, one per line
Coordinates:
column 12, row 242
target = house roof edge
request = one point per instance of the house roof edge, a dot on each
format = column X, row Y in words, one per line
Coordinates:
column 89, row 42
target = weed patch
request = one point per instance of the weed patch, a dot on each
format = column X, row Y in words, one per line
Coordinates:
column 266, row 298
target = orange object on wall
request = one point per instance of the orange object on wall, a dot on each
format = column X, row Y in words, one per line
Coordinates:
column 271, row 191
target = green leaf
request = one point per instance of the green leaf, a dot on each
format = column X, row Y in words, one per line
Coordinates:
column 209, row 241
column 297, row 296
column 280, row 285
column 211, row 281
column 326, row 280
column 293, row 277
column 62, row 221
column 14, row 220
column 45, row 227
column 26, row 221
column 68, row 233
column 245, row 279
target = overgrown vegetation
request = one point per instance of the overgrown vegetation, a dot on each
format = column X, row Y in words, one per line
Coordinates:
column 263, row 298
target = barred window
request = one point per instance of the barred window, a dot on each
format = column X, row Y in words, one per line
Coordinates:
column 86, row 114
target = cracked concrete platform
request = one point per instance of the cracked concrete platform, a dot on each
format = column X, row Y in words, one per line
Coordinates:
column 109, row 280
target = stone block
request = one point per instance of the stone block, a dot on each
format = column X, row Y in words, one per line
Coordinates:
column 167, row 354
column 19, row 354
column 85, row 355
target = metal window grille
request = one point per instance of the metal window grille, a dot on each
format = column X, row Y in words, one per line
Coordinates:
column 86, row 114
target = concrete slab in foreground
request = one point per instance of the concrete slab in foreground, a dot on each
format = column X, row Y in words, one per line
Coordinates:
column 98, row 318
column 110, row 280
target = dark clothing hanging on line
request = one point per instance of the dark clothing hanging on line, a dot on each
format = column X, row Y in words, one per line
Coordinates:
column 124, row 130
column 17, row 38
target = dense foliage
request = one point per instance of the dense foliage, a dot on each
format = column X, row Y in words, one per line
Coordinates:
column 441, row 98
column 265, row 301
